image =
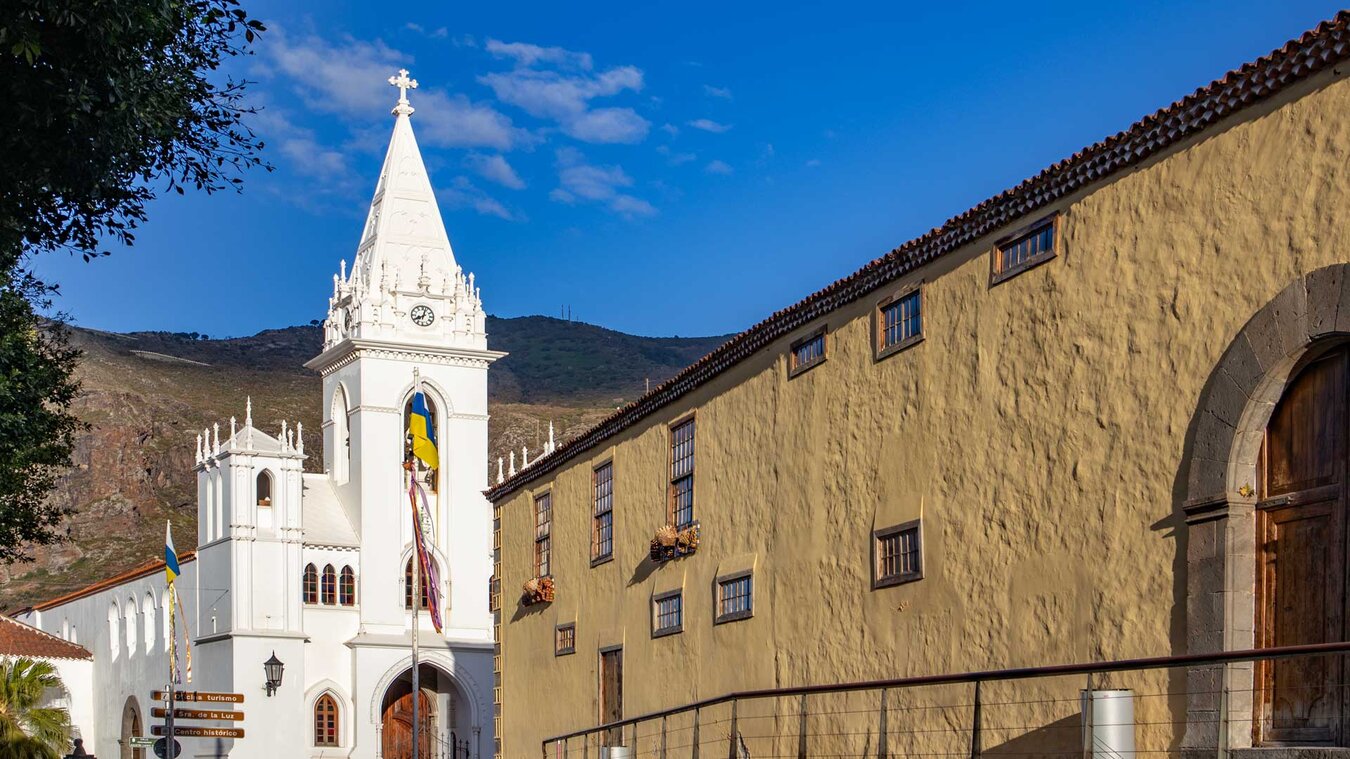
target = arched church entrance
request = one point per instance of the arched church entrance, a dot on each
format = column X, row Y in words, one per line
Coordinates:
column 131, row 728
column 1301, row 554
column 442, row 719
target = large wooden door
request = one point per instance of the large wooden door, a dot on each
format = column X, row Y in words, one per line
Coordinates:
column 397, row 732
column 1301, row 554
column 611, row 693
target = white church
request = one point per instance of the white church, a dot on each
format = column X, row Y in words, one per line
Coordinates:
column 315, row 569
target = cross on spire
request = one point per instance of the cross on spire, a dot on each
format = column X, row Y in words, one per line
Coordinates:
column 403, row 83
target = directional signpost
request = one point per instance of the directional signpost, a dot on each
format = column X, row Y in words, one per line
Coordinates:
column 142, row 741
column 201, row 732
column 219, row 714
column 227, row 714
column 199, row 696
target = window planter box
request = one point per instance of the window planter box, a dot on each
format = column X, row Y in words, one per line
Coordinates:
column 538, row 590
column 670, row 544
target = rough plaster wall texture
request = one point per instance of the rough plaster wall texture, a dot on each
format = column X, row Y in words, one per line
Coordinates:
column 1042, row 427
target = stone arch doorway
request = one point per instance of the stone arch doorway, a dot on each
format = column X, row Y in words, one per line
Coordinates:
column 443, row 719
column 1273, row 362
column 132, row 727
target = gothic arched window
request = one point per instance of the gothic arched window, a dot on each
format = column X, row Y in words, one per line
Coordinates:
column 342, row 444
column 311, row 585
column 408, row 584
column 347, row 587
column 329, row 588
column 264, row 488
column 114, row 628
column 430, row 477
column 130, row 615
column 148, row 617
column 326, row 721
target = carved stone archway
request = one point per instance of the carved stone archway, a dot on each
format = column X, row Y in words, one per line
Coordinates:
column 1220, row 470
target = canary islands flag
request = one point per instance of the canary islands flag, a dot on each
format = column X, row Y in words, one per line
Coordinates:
column 423, row 432
column 170, row 555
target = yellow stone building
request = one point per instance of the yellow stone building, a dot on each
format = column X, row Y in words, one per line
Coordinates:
column 1067, row 425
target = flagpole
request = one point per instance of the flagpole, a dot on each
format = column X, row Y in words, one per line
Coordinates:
column 173, row 655
column 416, row 590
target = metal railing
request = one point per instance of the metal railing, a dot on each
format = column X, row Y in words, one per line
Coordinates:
column 1022, row 711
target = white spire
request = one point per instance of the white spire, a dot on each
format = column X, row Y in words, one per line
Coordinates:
column 512, row 471
column 404, row 227
column 500, row 479
column 300, row 437
column 232, row 430
column 551, row 445
column 248, row 411
column 216, row 427
column 199, row 458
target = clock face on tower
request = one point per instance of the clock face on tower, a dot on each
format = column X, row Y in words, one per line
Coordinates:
column 423, row 316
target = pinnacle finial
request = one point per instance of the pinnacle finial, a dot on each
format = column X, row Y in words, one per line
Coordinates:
column 299, row 437
column 403, row 83
column 248, row 411
column 500, row 479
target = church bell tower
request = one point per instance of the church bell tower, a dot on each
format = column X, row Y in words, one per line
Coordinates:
column 407, row 310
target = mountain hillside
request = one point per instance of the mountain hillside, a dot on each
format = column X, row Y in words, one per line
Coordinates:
column 147, row 394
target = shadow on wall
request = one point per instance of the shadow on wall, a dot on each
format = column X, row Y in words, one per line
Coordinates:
column 1060, row 738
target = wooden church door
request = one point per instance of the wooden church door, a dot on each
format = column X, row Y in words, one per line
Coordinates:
column 1301, row 557
column 398, row 732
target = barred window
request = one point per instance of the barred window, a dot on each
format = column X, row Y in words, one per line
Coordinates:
column 543, row 534
column 735, row 598
column 329, row 587
column 898, row 555
column 667, row 614
column 807, row 352
column 565, row 639
column 1025, row 250
column 326, row 721
column 311, row 584
column 899, row 322
column 347, row 587
column 602, row 521
column 682, row 474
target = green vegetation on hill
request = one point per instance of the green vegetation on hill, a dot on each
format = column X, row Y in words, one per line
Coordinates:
column 146, row 395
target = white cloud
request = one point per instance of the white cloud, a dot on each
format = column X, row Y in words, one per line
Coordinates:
column 708, row 125
column 526, row 55
column 814, row 162
column 717, row 92
column 621, row 125
column 558, row 84
column 462, row 193
column 718, row 167
column 580, row 180
column 631, row 206
column 302, row 149
column 454, row 121
column 439, row 33
column 495, row 168
column 673, row 158
column 350, row 78
column 670, row 129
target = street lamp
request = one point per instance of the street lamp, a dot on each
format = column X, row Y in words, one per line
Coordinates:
column 273, row 667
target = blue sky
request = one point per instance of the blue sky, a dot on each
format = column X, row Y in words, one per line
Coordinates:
column 663, row 168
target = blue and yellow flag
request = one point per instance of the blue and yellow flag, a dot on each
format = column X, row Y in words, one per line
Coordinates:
column 170, row 555
column 423, row 432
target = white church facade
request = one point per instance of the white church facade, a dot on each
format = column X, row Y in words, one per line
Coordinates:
column 315, row 568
